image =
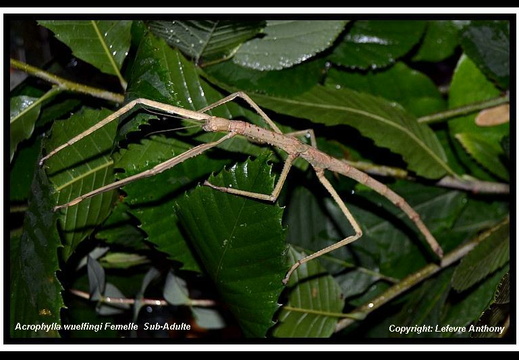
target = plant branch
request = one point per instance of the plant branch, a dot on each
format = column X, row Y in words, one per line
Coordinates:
column 474, row 186
column 471, row 185
column 18, row 208
column 65, row 84
column 410, row 281
column 151, row 302
column 463, row 110
column 320, row 312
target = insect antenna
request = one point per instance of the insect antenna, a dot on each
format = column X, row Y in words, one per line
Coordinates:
column 174, row 129
column 162, row 116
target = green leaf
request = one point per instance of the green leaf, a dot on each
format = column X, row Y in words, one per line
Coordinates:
column 424, row 306
column 59, row 109
column 469, row 85
column 24, row 111
column 388, row 249
column 95, row 254
column 487, row 43
column 387, row 245
column 151, row 200
column 314, row 302
column 388, row 125
column 122, row 260
column 120, row 228
column 468, row 309
column 79, row 169
column 287, row 43
column 175, row 290
column 206, row 40
column 35, row 292
column 410, row 88
column 502, row 294
column 505, row 144
column 487, row 152
column 479, row 215
column 439, row 42
column 286, row 82
column 497, row 313
column 372, row 44
column 433, row 302
column 101, row 43
column 484, row 259
column 312, row 226
column 22, row 171
column 170, row 78
column 240, row 242
column 163, row 74
column 458, row 218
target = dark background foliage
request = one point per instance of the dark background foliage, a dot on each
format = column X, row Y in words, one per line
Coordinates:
column 383, row 95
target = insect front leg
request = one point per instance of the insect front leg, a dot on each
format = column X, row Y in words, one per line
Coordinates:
column 168, row 164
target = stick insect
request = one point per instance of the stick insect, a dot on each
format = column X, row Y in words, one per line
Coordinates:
column 289, row 143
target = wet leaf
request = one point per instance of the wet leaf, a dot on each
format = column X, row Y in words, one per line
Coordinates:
column 439, row 42
column 487, row 43
column 386, row 123
column 287, row 82
column 287, row 43
column 469, row 85
column 314, row 301
column 24, row 111
column 372, row 44
column 487, row 257
column 240, row 242
column 102, row 43
column 35, row 292
column 79, row 169
column 120, row 260
column 206, row 40
column 410, row 88
column 486, row 151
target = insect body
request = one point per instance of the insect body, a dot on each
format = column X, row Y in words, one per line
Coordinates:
column 289, row 143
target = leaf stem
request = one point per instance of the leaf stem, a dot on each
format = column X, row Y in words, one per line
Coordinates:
column 123, row 82
column 473, row 185
column 322, row 313
column 463, row 110
column 151, row 302
column 67, row 85
column 49, row 94
column 415, row 278
column 18, row 208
